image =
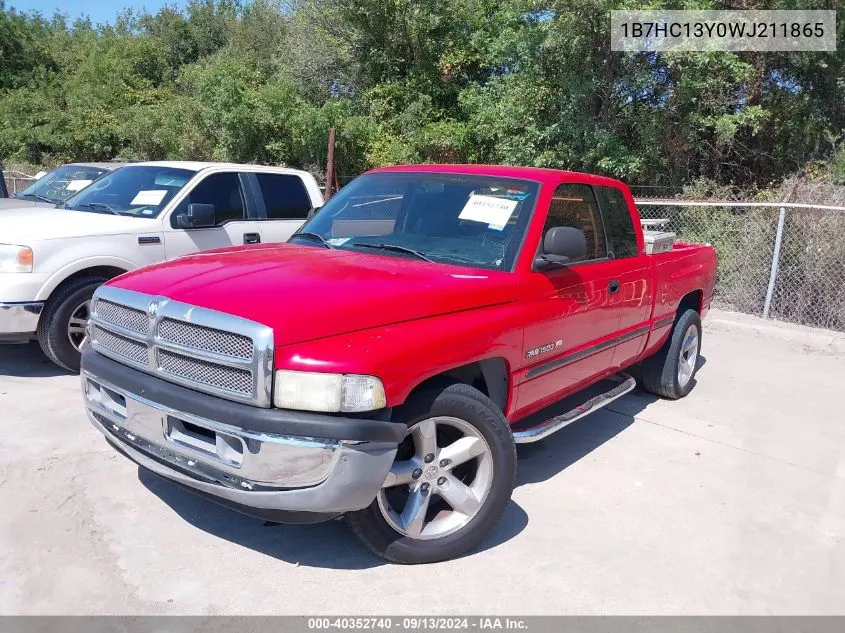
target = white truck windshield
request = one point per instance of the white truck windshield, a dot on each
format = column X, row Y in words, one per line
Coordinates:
column 135, row 190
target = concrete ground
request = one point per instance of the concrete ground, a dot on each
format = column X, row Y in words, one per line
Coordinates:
column 731, row 501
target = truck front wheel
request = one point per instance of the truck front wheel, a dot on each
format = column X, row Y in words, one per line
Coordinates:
column 61, row 329
column 669, row 372
column 452, row 478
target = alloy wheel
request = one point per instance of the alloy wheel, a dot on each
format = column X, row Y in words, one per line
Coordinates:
column 688, row 356
column 441, row 477
column 76, row 324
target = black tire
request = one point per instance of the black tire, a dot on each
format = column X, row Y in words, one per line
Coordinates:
column 53, row 325
column 660, row 370
column 470, row 405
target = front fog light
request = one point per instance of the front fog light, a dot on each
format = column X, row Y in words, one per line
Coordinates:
column 331, row 393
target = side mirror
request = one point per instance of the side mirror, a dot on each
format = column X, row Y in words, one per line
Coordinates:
column 561, row 245
column 312, row 211
column 197, row 216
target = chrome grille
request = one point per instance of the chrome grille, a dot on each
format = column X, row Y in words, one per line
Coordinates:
column 120, row 345
column 208, row 373
column 202, row 349
column 205, row 338
column 129, row 318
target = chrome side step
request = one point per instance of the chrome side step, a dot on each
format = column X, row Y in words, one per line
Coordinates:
column 535, row 433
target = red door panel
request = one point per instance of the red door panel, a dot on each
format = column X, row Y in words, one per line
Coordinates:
column 573, row 315
column 634, row 307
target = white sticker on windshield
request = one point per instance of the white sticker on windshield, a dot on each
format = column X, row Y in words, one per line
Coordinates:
column 76, row 185
column 40, row 175
column 149, row 196
column 338, row 241
column 492, row 211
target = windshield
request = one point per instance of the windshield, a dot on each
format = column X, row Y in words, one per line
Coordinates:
column 61, row 183
column 469, row 220
column 135, row 190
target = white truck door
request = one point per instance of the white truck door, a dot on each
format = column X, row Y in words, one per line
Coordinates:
column 284, row 203
column 225, row 190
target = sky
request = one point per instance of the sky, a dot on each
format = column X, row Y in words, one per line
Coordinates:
column 98, row 10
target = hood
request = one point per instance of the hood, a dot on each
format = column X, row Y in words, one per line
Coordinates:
column 33, row 224
column 17, row 203
column 308, row 292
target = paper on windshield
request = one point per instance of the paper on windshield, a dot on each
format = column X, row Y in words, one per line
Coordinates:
column 39, row 175
column 149, row 196
column 488, row 209
column 76, row 185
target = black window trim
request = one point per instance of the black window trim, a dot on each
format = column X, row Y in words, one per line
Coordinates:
column 255, row 210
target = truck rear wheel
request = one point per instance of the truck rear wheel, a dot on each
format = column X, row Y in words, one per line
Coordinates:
column 62, row 325
column 453, row 476
column 669, row 372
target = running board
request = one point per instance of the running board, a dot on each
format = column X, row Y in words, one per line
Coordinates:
column 535, row 433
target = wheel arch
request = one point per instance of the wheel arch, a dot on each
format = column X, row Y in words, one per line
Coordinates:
column 108, row 267
column 489, row 375
column 691, row 301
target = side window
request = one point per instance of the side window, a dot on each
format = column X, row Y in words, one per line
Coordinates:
column 575, row 205
column 285, row 197
column 221, row 190
column 618, row 222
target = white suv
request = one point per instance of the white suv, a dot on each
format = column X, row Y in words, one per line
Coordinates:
column 52, row 259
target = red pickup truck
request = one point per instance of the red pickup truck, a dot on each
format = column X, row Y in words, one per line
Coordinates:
column 384, row 363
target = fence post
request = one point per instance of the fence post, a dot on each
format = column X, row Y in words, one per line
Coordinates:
column 775, row 263
column 331, row 185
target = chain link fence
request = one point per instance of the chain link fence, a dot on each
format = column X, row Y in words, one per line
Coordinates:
column 17, row 181
column 808, row 276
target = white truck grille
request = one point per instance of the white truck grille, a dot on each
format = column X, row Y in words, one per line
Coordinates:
column 202, row 349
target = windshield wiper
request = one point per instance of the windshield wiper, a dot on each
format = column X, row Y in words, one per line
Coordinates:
column 38, row 196
column 97, row 206
column 314, row 237
column 394, row 248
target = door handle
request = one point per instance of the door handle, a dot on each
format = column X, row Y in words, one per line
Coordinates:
column 613, row 287
column 252, row 238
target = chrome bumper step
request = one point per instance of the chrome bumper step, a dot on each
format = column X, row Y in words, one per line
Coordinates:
column 625, row 383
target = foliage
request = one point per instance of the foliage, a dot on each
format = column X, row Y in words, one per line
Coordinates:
column 502, row 81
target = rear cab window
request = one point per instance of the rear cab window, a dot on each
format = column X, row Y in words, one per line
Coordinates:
column 285, row 196
column 621, row 235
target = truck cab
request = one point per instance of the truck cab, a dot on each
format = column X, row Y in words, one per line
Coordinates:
column 52, row 259
column 384, row 363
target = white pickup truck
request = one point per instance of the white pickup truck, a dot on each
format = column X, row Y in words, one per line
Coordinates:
column 52, row 259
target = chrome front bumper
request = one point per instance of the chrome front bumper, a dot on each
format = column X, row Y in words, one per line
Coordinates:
column 19, row 318
column 235, row 466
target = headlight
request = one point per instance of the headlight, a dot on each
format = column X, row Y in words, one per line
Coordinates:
column 15, row 259
column 313, row 391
